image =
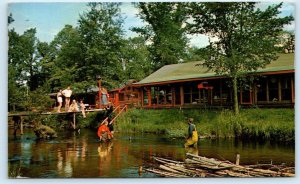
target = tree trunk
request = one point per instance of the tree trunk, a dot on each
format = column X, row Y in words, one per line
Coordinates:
column 235, row 96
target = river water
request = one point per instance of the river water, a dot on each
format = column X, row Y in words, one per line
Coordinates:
column 80, row 155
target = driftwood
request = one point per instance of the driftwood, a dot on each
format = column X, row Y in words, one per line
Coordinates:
column 198, row 166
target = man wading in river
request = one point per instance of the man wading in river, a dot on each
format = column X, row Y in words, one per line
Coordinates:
column 192, row 138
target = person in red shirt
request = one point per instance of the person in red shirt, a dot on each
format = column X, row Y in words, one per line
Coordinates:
column 103, row 132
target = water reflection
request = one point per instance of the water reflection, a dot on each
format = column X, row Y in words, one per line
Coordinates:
column 192, row 150
column 104, row 149
column 81, row 155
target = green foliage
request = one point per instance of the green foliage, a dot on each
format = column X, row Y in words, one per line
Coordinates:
column 36, row 101
column 245, row 37
column 258, row 124
column 136, row 59
column 101, row 35
column 165, row 31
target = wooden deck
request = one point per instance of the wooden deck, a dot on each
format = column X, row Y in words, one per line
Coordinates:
column 18, row 117
column 49, row 113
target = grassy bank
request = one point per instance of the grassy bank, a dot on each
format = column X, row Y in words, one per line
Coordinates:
column 260, row 124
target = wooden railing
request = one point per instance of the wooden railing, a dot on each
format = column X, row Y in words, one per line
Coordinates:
column 119, row 112
column 123, row 109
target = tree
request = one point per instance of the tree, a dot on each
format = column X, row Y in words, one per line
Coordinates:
column 62, row 59
column 165, row 31
column 136, row 61
column 246, row 37
column 24, row 67
column 100, row 30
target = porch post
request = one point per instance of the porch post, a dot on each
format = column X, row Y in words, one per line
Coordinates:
column 181, row 95
column 292, row 90
column 279, row 90
column 117, row 99
column 173, row 95
column 142, row 96
column 267, row 89
column 149, row 96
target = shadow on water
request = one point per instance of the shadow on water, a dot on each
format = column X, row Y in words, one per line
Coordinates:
column 81, row 155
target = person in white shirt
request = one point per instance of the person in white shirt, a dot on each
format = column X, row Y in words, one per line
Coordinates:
column 67, row 93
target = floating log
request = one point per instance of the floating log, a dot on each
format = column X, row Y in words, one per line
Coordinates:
column 198, row 166
column 167, row 174
column 168, row 169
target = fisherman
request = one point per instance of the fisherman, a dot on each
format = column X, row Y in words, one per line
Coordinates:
column 104, row 133
column 192, row 138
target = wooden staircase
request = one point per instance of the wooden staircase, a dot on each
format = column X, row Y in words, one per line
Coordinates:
column 120, row 110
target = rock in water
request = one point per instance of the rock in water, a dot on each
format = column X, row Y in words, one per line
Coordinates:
column 44, row 132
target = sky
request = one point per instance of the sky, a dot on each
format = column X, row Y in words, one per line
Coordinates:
column 50, row 18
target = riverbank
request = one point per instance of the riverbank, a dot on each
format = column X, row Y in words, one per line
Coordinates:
column 276, row 125
column 259, row 124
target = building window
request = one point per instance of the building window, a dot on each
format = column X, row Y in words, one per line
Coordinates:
column 121, row 96
column 145, row 96
column 286, row 88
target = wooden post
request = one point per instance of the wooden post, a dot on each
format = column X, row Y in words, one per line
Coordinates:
column 149, row 96
column 292, row 91
column 142, row 96
column 181, row 96
column 117, row 103
column 255, row 94
column 221, row 91
column 267, row 89
column 237, row 162
column 74, row 120
column 173, row 95
column 279, row 90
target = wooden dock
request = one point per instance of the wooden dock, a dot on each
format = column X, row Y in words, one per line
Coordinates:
column 18, row 117
column 49, row 113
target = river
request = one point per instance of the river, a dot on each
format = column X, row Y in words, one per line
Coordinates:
column 80, row 155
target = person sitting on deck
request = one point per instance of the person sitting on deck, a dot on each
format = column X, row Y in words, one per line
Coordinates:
column 73, row 107
column 82, row 108
column 192, row 138
column 103, row 132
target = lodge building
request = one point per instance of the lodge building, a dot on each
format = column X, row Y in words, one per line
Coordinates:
column 191, row 85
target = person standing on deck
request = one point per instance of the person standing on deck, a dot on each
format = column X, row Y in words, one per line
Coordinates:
column 67, row 93
column 192, row 138
column 104, row 96
column 59, row 100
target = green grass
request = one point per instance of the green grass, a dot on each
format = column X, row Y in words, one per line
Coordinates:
column 260, row 124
